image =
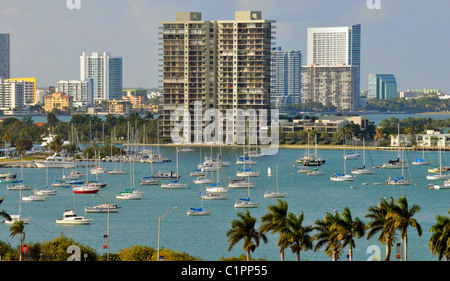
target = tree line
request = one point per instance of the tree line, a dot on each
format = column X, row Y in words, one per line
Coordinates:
column 338, row 230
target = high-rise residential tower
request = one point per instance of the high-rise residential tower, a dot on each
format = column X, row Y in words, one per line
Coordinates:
column 106, row 74
column 336, row 45
column 382, row 86
column 286, row 77
column 5, row 56
column 221, row 64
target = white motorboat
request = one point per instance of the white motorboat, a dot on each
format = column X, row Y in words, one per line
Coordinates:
column 56, row 161
column 97, row 170
column 174, row 185
column 34, row 198
column 103, row 208
column 130, row 194
column 315, row 173
column 71, row 218
column 185, row 149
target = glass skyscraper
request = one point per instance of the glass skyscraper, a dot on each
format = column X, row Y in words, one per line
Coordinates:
column 382, row 86
column 285, row 77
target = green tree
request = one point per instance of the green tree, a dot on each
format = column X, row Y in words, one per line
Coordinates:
column 4, row 214
column 333, row 247
column 346, row 229
column 244, row 228
column 22, row 145
column 295, row 235
column 275, row 221
column 440, row 239
column 17, row 228
column 379, row 218
column 56, row 144
column 401, row 217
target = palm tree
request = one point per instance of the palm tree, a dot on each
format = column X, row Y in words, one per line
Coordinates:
column 275, row 221
column 4, row 214
column 380, row 135
column 244, row 228
column 378, row 215
column 440, row 239
column 323, row 228
column 295, row 235
column 56, row 144
column 401, row 217
column 17, row 228
column 345, row 229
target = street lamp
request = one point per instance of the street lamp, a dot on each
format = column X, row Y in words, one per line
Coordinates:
column 159, row 227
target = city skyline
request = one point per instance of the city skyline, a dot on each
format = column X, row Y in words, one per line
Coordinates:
column 400, row 38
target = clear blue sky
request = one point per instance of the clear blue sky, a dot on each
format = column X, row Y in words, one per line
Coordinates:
column 409, row 38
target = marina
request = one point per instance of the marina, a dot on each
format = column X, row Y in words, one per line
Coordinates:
column 204, row 235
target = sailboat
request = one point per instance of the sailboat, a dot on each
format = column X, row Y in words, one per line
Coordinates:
column 18, row 217
column 421, row 161
column 149, row 180
column 18, row 184
column 311, row 159
column 396, row 163
column 275, row 194
column 130, row 193
column 199, row 211
column 400, row 180
column 344, row 176
column 246, row 202
column 440, row 175
column 175, row 184
column 363, row 170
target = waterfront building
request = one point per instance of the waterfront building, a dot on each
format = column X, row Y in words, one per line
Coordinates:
column 336, row 45
column 106, row 74
column 433, row 138
column 5, row 56
column 221, row 64
column 119, row 107
column 330, row 85
column 382, row 86
column 285, row 77
column 29, row 90
column 58, row 100
column 81, row 91
column 11, row 94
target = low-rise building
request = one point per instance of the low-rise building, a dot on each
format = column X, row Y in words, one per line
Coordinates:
column 433, row 138
column 58, row 100
column 119, row 107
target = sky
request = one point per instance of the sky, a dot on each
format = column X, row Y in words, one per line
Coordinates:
column 407, row 38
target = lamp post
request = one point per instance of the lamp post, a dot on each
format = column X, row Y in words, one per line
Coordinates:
column 159, row 227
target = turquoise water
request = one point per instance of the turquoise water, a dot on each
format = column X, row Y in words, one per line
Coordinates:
column 137, row 222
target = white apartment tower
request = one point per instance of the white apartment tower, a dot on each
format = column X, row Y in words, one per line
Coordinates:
column 286, row 77
column 222, row 64
column 336, row 45
column 106, row 74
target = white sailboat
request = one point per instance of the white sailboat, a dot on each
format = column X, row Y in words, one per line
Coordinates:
column 275, row 194
column 18, row 217
column 400, row 180
column 440, row 175
column 199, row 211
column 246, row 202
column 363, row 170
column 344, row 176
column 421, row 161
column 175, row 184
column 130, row 193
column 149, row 180
column 397, row 163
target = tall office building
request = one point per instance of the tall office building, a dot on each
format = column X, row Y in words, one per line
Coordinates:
column 336, row 45
column 382, row 86
column 106, row 74
column 223, row 64
column 5, row 56
column 11, row 94
column 286, row 77
column 330, row 85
